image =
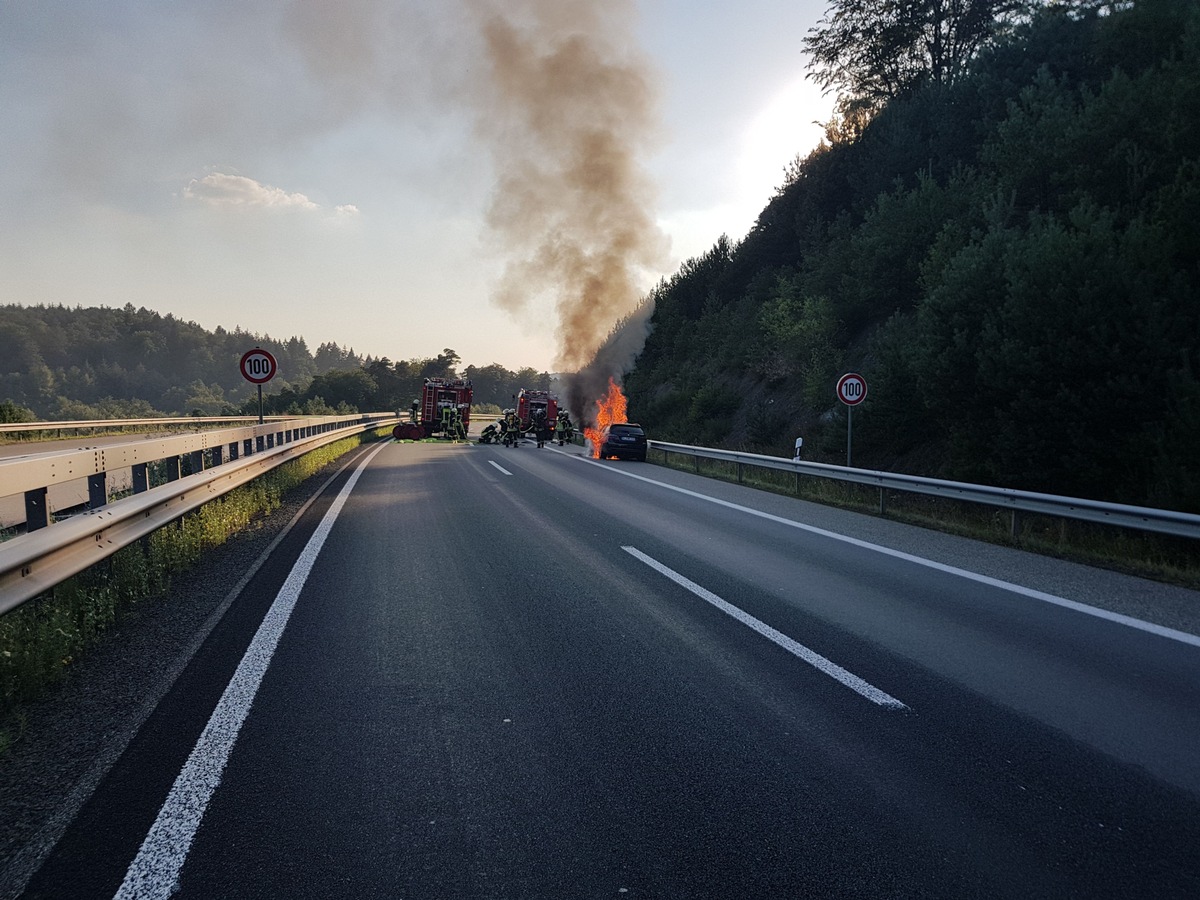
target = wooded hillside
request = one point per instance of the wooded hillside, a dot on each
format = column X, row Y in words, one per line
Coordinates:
column 61, row 363
column 1010, row 256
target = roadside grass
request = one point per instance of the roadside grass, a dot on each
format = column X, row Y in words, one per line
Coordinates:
column 40, row 639
column 1159, row 557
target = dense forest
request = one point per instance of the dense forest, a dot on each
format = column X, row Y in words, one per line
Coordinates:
column 62, row 363
column 1003, row 241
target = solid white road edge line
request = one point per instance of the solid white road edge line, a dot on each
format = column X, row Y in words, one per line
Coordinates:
column 500, row 467
column 1129, row 621
column 155, row 870
column 814, row 659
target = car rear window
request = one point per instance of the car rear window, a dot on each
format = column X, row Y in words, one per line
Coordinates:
column 626, row 429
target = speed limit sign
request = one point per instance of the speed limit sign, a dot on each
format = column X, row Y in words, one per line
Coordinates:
column 852, row 389
column 258, row 366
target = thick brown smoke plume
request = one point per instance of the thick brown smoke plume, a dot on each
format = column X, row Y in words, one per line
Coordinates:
column 568, row 113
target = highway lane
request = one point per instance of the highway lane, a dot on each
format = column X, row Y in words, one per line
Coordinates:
column 1069, row 670
column 481, row 693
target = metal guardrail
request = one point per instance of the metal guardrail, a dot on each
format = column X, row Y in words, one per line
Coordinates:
column 32, row 475
column 1139, row 518
column 93, row 424
column 45, row 556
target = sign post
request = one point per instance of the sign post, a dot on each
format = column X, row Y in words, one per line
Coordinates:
column 851, row 390
column 258, row 367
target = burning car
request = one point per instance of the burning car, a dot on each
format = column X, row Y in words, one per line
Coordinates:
column 624, row 440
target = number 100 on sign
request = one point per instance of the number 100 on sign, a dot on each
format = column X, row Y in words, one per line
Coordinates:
column 852, row 389
column 258, row 366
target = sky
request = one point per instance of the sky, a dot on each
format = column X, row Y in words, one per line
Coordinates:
column 505, row 178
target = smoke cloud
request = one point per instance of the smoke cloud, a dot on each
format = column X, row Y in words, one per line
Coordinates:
column 567, row 110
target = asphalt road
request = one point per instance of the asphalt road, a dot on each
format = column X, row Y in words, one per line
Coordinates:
column 517, row 673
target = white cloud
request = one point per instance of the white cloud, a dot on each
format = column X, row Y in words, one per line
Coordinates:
column 219, row 189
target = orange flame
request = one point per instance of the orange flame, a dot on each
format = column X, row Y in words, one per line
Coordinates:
column 608, row 410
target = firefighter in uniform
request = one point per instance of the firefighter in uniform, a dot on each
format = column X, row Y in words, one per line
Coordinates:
column 512, row 430
column 563, row 430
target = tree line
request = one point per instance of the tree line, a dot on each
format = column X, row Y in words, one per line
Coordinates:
column 1005, row 247
column 380, row 384
column 67, row 363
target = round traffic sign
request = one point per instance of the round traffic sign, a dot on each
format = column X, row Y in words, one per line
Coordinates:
column 852, row 389
column 258, row 366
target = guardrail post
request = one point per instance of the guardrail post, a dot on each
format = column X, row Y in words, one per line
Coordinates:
column 739, row 465
column 196, row 461
column 234, row 450
column 172, row 465
column 1014, row 524
column 37, row 512
column 97, row 490
column 260, row 444
column 882, row 503
column 141, row 478
column 217, row 454
column 248, row 446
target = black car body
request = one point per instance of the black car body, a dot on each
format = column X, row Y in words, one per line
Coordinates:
column 624, row 440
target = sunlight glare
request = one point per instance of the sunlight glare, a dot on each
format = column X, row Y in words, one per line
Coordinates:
column 790, row 124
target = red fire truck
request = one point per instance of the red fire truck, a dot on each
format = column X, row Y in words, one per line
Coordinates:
column 444, row 408
column 532, row 405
